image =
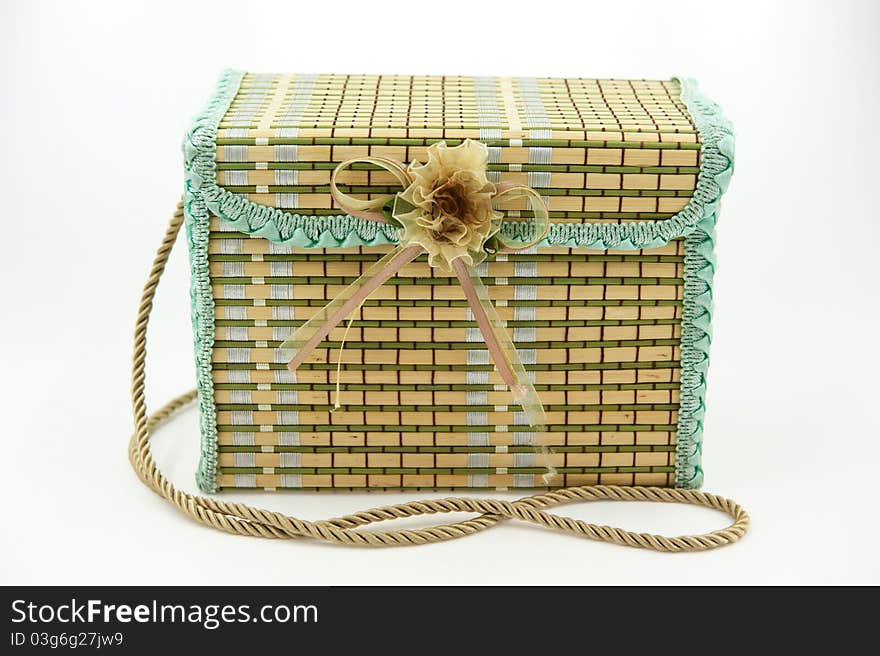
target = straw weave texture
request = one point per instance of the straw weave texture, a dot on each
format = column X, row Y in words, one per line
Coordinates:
column 598, row 150
column 422, row 406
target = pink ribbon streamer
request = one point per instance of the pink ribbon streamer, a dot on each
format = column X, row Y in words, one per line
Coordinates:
column 307, row 337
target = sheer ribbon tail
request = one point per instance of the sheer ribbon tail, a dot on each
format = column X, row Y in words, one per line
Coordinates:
column 500, row 346
column 306, row 338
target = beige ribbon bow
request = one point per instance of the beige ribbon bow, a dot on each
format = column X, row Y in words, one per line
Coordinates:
column 447, row 209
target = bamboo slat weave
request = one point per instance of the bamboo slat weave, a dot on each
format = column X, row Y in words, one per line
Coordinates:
column 422, row 407
column 240, row 519
column 598, row 150
column 421, row 404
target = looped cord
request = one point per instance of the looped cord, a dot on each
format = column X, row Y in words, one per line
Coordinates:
column 241, row 519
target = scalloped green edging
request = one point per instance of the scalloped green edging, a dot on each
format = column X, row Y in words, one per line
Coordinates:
column 695, row 222
column 716, row 134
column 197, row 214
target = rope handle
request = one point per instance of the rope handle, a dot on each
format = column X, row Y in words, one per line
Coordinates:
column 241, row 519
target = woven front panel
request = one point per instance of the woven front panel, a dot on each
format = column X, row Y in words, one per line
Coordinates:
column 597, row 150
column 421, row 404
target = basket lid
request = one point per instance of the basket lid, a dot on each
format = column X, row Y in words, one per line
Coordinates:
column 620, row 163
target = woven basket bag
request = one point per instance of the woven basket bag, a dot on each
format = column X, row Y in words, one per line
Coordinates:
column 440, row 283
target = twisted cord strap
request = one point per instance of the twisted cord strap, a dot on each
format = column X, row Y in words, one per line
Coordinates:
column 241, row 519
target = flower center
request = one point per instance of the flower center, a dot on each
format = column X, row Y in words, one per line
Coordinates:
column 451, row 199
column 452, row 210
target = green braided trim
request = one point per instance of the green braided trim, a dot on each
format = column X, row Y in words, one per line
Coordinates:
column 716, row 134
column 199, row 177
column 696, row 336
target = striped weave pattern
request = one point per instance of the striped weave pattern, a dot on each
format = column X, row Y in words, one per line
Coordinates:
column 599, row 150
column 422, row 406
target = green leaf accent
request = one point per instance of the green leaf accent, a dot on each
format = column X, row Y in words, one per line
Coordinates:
column 388, row 212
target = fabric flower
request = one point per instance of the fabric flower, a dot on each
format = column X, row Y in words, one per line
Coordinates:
column 448, row 207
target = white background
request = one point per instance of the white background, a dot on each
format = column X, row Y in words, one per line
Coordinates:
column 94, row 101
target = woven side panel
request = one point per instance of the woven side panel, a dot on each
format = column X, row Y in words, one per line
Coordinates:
column 422, row 406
